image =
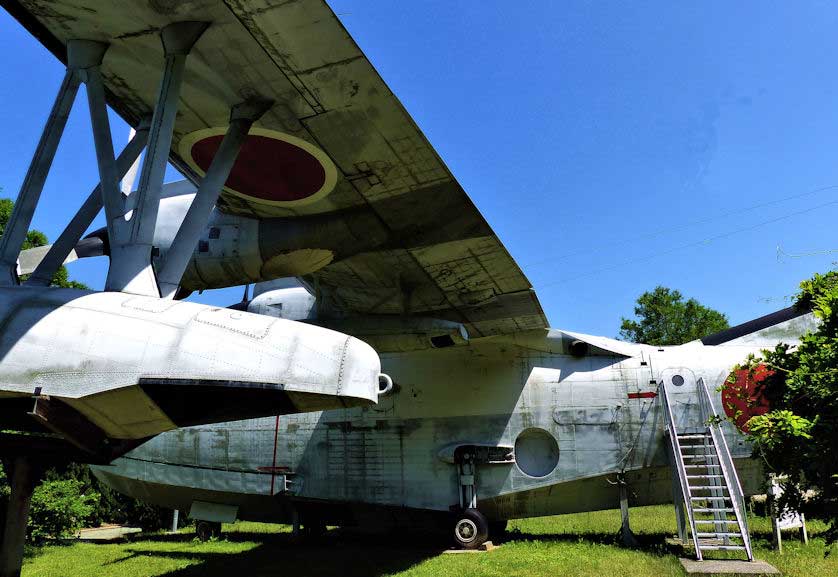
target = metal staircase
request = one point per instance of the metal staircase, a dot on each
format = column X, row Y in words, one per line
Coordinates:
column 706, row 481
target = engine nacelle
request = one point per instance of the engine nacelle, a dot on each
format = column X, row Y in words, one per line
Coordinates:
column 289, row 299
column 284, row 299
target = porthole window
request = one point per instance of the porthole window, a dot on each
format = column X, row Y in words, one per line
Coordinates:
column 536, row 452
column 677, row 380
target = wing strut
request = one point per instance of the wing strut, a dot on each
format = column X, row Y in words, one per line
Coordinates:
column 74, row 230
column 131, row 240
column 131, row 220
column 130, row 228
column 242, row 117
column 87, row 57
column 36, row 176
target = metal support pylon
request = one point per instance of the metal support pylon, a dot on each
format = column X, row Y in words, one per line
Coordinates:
column 58, row 252
column 36, row 176
column 131, row 241
column 242, row 117
column 90, row 56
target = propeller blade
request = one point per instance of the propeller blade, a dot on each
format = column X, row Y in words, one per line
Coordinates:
column 131, row 175
column 92, row 245
column 30, row 258
column 242, row 304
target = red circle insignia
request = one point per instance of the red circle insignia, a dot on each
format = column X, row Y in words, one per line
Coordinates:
column 267, row 168
column 745, row 398
column 271, row 167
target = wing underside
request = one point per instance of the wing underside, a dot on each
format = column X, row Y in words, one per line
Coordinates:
column 331, row 103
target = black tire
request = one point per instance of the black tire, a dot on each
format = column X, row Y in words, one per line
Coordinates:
column 471, row 529
column 206, row 530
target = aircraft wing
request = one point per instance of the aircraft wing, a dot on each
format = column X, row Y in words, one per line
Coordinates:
column 335, row 141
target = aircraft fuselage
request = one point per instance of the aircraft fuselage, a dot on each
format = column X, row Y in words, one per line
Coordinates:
column 572, row 422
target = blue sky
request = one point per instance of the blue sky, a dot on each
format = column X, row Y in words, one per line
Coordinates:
column 610, row 149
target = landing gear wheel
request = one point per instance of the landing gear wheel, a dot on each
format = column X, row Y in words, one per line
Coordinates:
column 471, row 529
column 206, row 530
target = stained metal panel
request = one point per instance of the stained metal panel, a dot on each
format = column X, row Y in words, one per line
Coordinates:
column 327, row 93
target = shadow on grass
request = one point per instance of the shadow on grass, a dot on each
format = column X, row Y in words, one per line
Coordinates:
column 336, row 553
column 343, row 552
column 32, row 551
column 654, row 543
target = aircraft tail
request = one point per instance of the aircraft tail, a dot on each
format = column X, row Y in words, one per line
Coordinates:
column 786, row 326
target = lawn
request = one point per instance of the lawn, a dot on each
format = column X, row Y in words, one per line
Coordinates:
column 582, row 544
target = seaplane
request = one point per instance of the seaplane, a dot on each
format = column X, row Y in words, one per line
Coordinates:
column 394, row 366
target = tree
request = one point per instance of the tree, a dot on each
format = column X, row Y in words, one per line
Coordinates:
column 797, row 437
column 664, row 318
column 36, row 238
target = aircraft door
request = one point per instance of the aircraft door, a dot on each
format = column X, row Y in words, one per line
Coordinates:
column 682, row 391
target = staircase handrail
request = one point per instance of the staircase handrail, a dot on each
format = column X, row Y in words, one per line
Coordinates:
column 675, row 445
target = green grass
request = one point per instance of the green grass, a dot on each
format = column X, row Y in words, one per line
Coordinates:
column 574, row 545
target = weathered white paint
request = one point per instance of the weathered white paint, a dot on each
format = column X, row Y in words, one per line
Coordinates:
column 94, row 350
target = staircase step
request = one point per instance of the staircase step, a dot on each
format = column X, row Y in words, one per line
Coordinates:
column 710, row 490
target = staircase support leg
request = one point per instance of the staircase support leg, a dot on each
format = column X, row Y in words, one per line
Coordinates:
column 681, row 520
column 678, row 500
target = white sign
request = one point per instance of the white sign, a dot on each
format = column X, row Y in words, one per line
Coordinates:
column 785, row 519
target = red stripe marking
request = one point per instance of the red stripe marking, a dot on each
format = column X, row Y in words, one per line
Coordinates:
column 643, row 395
column 273, row 467
column 278, row 470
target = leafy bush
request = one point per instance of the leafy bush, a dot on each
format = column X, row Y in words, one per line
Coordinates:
column 112, row 507
column 5, row 490
column 798, row 437
column 65, row 487
column 118, row 508
column 59, row 508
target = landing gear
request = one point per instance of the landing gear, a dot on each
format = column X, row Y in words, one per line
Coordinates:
column 206, row 530
column 471, row 529
column 307, row 528
column 314, row 529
